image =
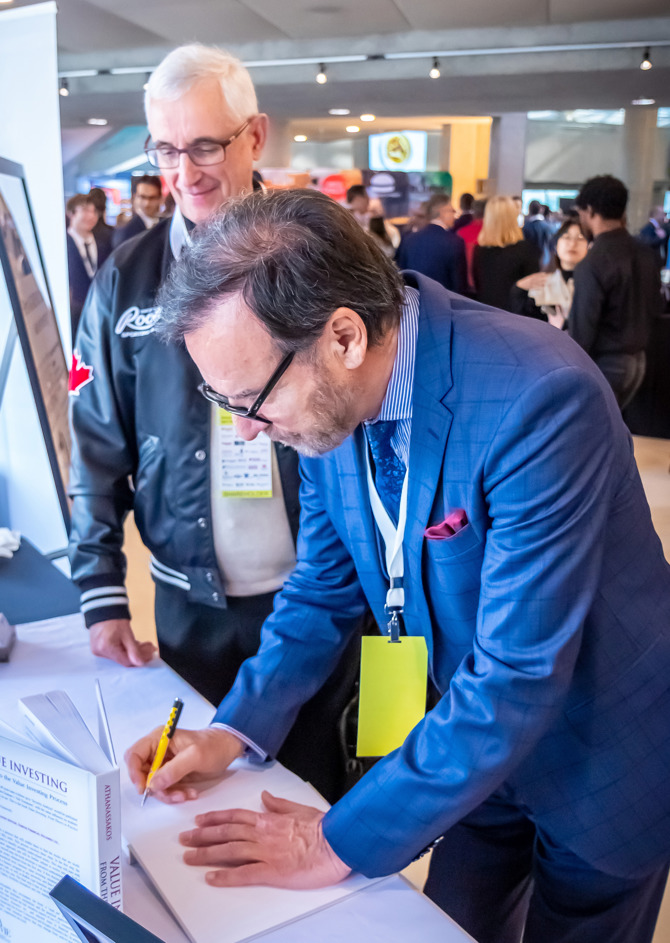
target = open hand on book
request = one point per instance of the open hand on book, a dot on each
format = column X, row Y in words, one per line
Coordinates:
column 283, row 847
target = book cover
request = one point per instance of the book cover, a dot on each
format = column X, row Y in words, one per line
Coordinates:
column 56, row 819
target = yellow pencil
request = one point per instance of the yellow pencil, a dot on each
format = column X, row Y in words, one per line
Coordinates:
column 164, row 742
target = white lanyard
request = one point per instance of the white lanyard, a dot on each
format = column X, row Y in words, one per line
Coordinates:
column 393, row 539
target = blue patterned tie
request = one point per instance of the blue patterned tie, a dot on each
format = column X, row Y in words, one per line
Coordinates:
column 389, row 470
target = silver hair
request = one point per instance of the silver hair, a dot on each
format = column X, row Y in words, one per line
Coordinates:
column 186, row 65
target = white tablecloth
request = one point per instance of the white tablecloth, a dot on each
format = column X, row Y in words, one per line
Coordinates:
column 54, row 654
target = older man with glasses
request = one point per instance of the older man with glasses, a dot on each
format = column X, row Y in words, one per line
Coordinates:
column 220, row 518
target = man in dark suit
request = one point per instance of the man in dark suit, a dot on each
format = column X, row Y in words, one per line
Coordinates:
column 538, row 231
column 655, row 233
column 147, row 197
column 465, row 216
column 436, row 250
column 84, row 254
column 470, row 471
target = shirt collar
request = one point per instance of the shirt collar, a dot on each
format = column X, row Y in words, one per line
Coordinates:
column 179, row 234
column 149, row 221
column 397, row 403
column 81, row 241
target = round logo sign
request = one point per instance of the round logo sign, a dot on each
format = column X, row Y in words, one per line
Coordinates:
column 398, row 149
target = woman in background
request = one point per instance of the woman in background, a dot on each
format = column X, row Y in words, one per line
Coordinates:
column 501, row 256
column 379, row 233
column 548, row 295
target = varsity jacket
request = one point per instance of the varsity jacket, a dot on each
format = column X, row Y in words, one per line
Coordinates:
column 141, row 438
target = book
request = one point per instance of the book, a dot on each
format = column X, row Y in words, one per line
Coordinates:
column 93, row 920
column 60, row 814
column 209, row 914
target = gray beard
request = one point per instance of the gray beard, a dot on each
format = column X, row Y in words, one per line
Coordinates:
column 331, row 409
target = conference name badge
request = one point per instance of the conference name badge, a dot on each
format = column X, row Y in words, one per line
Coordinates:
column 392, row 698
column 245, row 469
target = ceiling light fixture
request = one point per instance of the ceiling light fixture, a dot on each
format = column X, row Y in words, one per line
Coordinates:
column 368, row 117
column 435, row 71
column 352, row 128
column 321, row 76
column 300, row 138
column 643, row 101
column 78, row 74
column 339, row 111
column 98, row 121
column 64, row 89
column 646, row 64
column 146, row 81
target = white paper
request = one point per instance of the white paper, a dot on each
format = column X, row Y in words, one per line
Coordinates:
column 215, row 914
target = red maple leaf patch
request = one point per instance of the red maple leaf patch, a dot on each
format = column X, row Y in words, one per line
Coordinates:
column 80, row 374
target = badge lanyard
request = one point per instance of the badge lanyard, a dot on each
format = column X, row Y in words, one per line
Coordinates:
column 392, row 697
column 393, row 540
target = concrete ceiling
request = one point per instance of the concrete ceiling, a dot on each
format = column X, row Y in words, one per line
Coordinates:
column 106, row 34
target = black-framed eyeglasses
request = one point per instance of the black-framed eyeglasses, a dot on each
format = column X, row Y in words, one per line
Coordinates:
column 202, row 153
column 252, row 412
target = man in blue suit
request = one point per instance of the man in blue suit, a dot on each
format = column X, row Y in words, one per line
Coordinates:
column 436, row 250
column 147, row 198
column 531, row 569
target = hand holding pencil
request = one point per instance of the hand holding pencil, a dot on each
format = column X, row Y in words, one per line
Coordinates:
column 189, row 757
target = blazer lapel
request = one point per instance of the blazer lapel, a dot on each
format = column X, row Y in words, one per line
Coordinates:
column 431, row 423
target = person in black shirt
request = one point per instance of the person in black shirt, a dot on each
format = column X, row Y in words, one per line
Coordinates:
column 502, row 256
column 465, row 216
column 617, row 289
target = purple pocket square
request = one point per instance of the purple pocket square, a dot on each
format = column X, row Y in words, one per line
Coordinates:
column 449, row 527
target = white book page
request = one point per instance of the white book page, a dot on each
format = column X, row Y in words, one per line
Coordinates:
column 213, row 914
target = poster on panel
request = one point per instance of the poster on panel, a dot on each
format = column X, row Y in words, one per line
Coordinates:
column 27, row 291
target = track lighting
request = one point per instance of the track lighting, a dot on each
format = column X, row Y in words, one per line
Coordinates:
column 64, row 89
column 435, row 71
column 321, row 76
column 646, row 63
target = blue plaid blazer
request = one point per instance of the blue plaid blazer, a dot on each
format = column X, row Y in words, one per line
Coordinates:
column 547, row 618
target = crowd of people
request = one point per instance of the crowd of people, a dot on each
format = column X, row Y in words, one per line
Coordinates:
column 540, row 265
column 90, row 238
column 461, row 475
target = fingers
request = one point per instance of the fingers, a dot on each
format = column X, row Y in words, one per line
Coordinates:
column 231, row 854
column 257, row 872
column 138, row 653
column 276, row 804
column 114, row 651
column 114, row 639
column 226, row 816
column 184, row 763
column 217, row 835
column 139, row 757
